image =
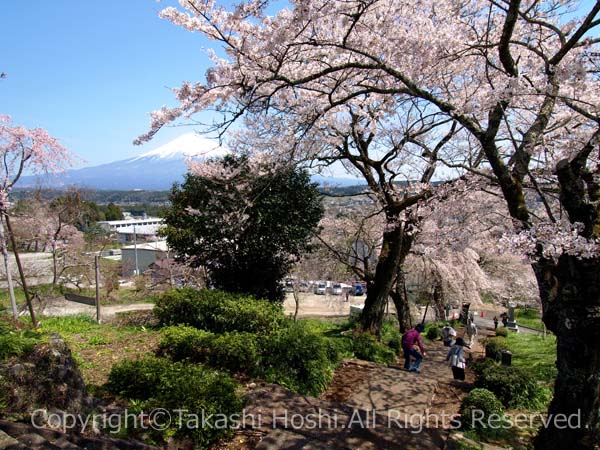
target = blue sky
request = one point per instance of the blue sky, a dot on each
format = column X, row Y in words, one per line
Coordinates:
column 90, row 71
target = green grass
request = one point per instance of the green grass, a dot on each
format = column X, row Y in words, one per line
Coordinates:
column 15, row 343
column 529, row 317
column 535, row 354
column 97, row 347
column 43, row 289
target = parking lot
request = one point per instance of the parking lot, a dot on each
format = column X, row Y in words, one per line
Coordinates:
column 321, row 305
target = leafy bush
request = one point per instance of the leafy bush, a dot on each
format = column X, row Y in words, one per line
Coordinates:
column 137, row 379
column 218, row 311
column 299, row 359
column 294, row 356
column 367, row 347
column 395, row 344
column 159, row 383
column 16, row 343
column 494, row 347
column 478, row 407
column 235, row 352
column 514, row 387
column 433, row 333
column 482, row 364
column 502, row 332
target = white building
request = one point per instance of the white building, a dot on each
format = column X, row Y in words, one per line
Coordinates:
column 138, row 258
column 132, row 230
column 114, row 226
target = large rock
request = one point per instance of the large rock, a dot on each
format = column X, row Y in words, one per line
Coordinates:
column 47, row 378
column 6, row 441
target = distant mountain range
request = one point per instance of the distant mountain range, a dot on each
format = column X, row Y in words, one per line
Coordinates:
column 155, row 170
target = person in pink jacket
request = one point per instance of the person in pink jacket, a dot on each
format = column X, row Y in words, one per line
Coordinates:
column 409, row 340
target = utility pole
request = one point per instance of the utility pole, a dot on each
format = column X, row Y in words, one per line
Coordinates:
column 137, row 269
column 97, row 263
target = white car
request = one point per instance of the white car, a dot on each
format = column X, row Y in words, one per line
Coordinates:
column 336, row 289
column 321, row 288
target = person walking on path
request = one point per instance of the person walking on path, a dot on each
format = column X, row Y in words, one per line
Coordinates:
column 471, row 332
column 504, row 317
column 448, row 335
column 409, row 340
column 456, row 357
column 495, row 323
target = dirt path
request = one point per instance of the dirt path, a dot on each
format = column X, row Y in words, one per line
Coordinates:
column 367, row 406
column 61, row 307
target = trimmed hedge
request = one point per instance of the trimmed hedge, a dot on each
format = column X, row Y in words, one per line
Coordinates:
column 367, row 347
column 502, row 332
column 433, row 333
column 218, row 311
column 514, row 387
column 494, row 347
column 292, row 356
column 477, row 408
column 235, row 352
column 298, row 359
column 160, row 383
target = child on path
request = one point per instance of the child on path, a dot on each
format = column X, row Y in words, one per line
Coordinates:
column 456, row 356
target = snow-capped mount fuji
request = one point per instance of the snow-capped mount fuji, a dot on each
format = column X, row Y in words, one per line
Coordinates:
column 156, row 169
column 189, row 145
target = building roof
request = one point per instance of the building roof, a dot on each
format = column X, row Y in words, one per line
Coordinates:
column 157, row 245
column 140, row 229
column 131, row 221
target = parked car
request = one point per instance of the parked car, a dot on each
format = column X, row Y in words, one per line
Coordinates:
column 321, row 288
column 289, row 285
column 357, row 289
column 336, row 289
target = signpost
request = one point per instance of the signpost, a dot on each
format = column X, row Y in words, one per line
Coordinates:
column 91, row 301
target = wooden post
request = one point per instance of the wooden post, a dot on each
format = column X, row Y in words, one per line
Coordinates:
column 97, row 263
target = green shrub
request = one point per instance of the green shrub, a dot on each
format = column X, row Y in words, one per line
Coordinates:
column 159, row 383
column 293, row 356
column 479, row 409
column 433, row 333
column 16, row 343
column 395, row 344
column 184, row 343
column 367, row 347
column 494, row 347
column 502, row 332
column 514, row 387
column 482, row 364
column 137, row 379
column 297, row 358
column 218, row 311
column 234, row 352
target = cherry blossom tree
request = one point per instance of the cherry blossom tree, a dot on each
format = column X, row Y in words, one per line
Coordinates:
column 50, row 226
column 23, row 150
column 518, row 77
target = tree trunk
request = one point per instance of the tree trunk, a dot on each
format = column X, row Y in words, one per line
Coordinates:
column 400, row 299
column 394, row 249
column 9, row 282
column 21, row 272
column 570, row 292
column 54, row 266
